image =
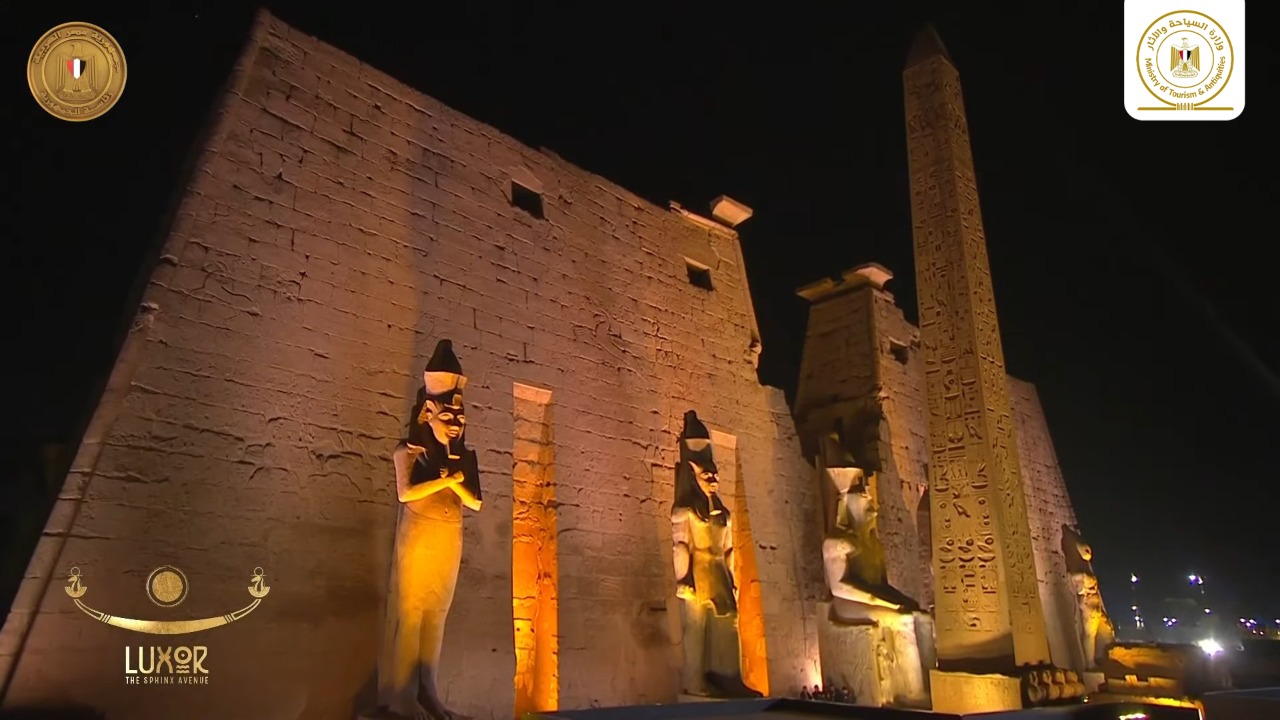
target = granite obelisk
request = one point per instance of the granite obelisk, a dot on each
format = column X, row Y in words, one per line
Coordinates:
column 988, row 612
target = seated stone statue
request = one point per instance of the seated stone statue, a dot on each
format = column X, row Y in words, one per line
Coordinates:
column 852, row 552
column 702, row 540
column 436, row 477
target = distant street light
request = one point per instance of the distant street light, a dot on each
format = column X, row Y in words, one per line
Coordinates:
column 1210, row 647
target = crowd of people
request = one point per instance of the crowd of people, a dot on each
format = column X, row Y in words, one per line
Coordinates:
column 828, row 693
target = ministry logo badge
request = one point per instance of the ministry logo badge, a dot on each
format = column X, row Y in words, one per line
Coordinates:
column 1184, row 61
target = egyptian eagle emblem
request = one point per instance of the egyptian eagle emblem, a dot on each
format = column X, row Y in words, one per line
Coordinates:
column 1184, row 60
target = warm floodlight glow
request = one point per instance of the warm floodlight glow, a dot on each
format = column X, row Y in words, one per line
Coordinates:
column 1210, row 647
column 1133, row 716
column 535, row 574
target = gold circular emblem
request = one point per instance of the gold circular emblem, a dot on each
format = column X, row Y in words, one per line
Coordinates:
column 76, row 71
column 1185, row 59
column 167, row 586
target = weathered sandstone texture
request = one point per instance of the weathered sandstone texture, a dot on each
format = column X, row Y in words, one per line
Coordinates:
column 1049, row 510
column 339, row 223
column 862, row 366
column 861, row 370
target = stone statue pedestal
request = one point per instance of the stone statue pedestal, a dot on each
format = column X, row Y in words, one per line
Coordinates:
column 960, row 693
column 874, row 652
column 848, row 656
column 1093, row 681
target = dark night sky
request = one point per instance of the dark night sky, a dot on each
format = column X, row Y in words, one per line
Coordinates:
column 1129, row 258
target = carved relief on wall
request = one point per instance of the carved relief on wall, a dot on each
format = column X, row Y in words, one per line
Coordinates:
column 980, row 531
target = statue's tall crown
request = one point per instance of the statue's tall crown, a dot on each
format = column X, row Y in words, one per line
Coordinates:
column 693, row 427
column 695, row 435
column 443, row 372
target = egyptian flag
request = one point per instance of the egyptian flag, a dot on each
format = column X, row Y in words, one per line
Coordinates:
column 76, row 67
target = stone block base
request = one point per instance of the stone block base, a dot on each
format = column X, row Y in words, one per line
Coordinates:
column 960, row 693
column 877, row 657
column 848, row 657
column 1093, row 681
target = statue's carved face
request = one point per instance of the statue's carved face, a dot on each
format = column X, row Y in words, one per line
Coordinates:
column 1086, row 552
column 861, row 508
column 707, row 476
column 446, row 419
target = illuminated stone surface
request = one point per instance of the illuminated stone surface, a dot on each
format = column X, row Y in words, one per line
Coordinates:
column 705, row 553
column 336, row 225
column 987, row 603
column 436, row 477
column 730, row 211
column 867, row 638
column 1049, row 511
column 861, row 366
column 860, row 370
column 963, row 693
column 1095, row 627
column 534, row 560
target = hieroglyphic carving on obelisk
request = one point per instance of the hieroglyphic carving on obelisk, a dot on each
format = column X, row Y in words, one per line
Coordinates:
column 987, row 606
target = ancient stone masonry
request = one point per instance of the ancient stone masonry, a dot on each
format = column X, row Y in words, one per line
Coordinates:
column 1048, row 510
column 534, row 561
column 987, row 600
column 339, row 224
column 862, row 364
column 861, row 370
column 836, row 384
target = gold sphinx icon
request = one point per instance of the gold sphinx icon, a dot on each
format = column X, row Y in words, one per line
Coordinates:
column 167, row 586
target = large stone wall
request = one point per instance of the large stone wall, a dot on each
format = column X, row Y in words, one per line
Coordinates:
column 862, row 365
column 338, row 225
column 1049, row 509
column 861, row 368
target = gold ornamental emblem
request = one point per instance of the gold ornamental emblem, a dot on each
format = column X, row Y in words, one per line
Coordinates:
column 76, row 71
column 1185, row 59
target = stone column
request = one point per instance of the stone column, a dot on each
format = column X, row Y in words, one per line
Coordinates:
column 988, row 612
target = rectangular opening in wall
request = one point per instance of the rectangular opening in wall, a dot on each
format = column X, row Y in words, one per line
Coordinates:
column 899, row 351
column 699, row 274
column 751, row 630
column 534, row 569
column 526, row 199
